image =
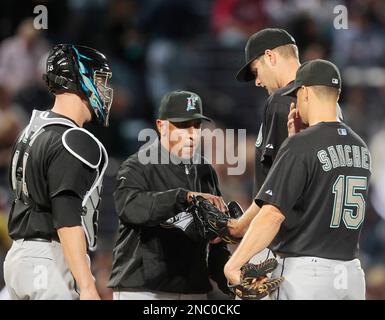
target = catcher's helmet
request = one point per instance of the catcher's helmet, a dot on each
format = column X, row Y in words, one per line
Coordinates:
column 84, row 71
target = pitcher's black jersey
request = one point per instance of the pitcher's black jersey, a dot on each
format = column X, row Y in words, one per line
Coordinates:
column 319, row 180
column 272, row 132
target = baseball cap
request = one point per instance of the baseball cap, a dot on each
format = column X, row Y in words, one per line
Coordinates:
column 316, row 73
column 269, row 38
column 180, row 106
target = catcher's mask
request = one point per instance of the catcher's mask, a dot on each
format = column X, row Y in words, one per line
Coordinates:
column 84, row 71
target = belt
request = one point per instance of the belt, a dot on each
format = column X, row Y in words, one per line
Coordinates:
column 285, row 255
column 38, row 239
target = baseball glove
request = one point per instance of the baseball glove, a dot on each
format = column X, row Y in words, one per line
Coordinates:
column 214, row 220
column 255, row 284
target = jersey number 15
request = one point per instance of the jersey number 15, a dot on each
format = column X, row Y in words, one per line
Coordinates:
column 346, row 197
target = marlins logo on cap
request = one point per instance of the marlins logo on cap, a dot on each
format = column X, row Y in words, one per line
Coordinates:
column 191, row 101
column 180, row 106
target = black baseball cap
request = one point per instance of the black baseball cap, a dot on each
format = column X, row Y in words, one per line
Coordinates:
column 180, row 106
column 316, row 73
column 269, row 38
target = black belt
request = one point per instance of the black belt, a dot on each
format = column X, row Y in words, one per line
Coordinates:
column 284, row 255
column 38, row 239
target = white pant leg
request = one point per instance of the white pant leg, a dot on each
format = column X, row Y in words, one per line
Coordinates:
column 303, row 280
column 256, row 259
column 356, row 287
column 38, row 271
column 262, row 256
column 313, row 278
column 141, row 295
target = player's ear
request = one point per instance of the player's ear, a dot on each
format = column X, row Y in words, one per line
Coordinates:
column 270, row 57
column 161, row 125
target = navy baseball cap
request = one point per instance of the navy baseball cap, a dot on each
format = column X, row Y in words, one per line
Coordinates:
column 316, row 73
column 180, row 106
column 256, row 46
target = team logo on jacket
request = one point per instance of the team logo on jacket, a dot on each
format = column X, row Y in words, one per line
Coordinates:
column 182, row 220
column 342, row 132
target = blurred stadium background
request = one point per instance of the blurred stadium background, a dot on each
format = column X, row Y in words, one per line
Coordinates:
column 158, row 45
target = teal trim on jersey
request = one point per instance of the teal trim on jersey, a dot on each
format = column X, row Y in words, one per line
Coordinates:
column 324, row 159
column 338, row 191
column 354, row 199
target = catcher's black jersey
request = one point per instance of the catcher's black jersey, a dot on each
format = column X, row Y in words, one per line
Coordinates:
column 272, row 132
column 319, row 180
column 56, row 181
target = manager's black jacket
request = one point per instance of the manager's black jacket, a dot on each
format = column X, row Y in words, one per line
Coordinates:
column 152, row 251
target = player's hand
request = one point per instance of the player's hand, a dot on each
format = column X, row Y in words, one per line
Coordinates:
column 215, row 200
column 233, row 275
column 294, row 121
column 89, row 294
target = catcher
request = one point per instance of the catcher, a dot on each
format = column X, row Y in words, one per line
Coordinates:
column 56, row 175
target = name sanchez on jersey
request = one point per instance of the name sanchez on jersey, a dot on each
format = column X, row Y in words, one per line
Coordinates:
column 344, row 156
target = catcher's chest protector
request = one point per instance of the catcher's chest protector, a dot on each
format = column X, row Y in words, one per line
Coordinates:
column 91, row 199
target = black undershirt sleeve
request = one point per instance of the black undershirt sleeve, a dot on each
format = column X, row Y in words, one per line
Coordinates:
column 69, row 180
column 66, row 210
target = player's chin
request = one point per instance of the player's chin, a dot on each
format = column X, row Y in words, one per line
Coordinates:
column 188, row 151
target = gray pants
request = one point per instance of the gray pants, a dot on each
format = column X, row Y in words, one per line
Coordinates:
column 36, row 270
column 313, row 278
column 139, row 294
